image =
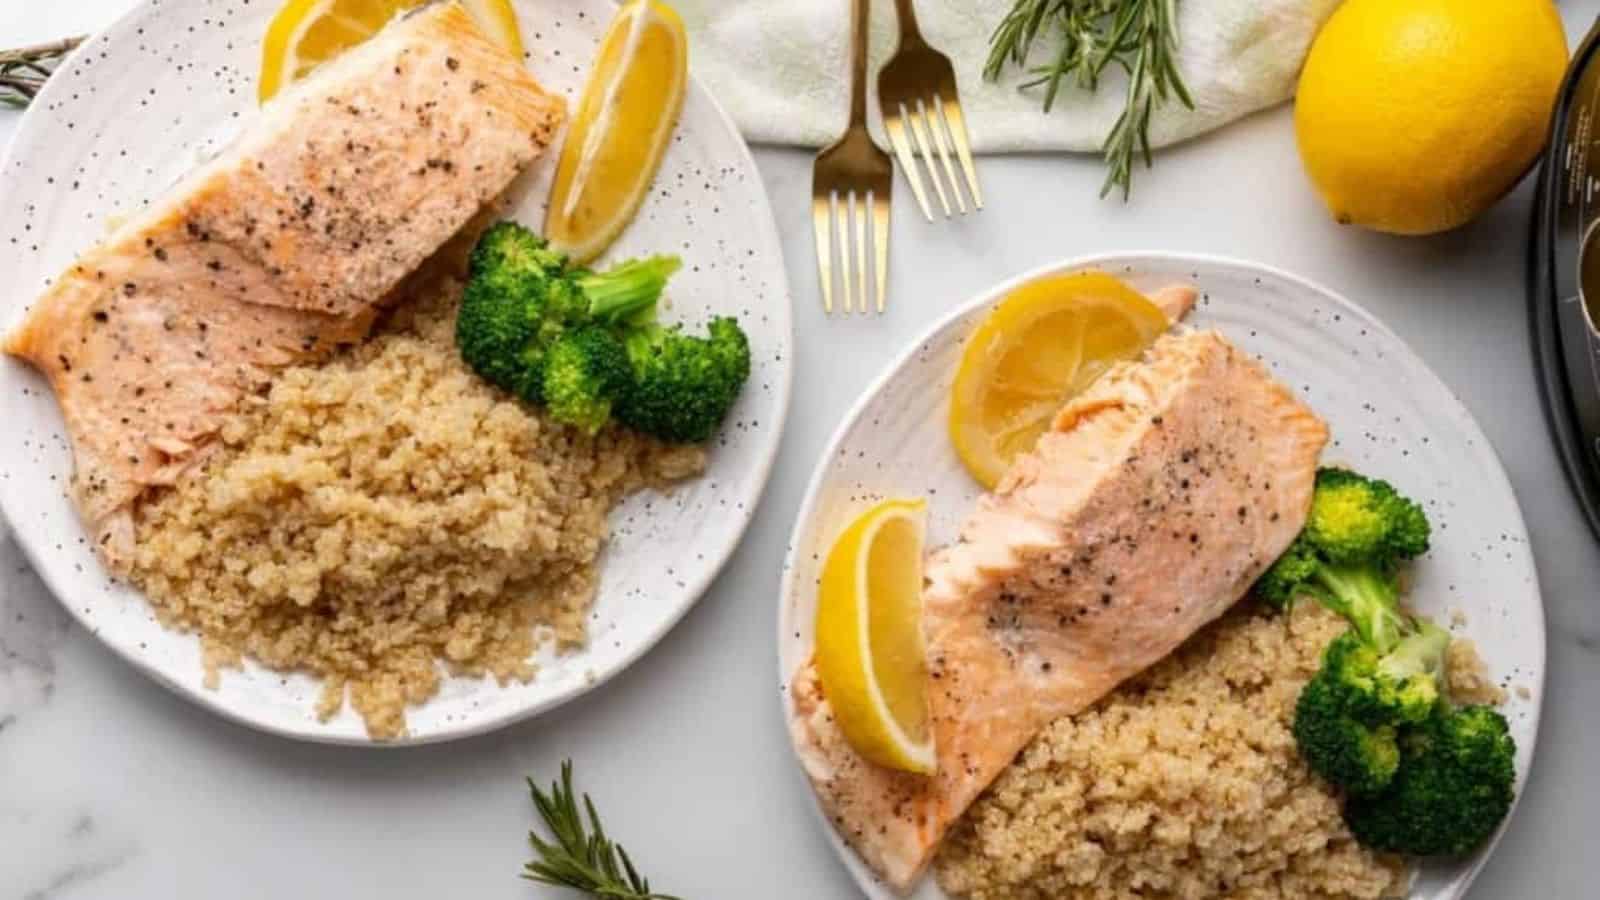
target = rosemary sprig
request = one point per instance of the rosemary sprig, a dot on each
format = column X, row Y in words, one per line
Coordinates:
column 23, row 71
column 581, row 858
column 1138, row 36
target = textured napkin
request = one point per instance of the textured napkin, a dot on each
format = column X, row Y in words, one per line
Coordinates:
column 780, row 68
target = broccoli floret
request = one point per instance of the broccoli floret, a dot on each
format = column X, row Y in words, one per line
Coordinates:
column 1285, row 579
column 507, row 250
column 493, row 332
column 504, row 318
column 1358, row 757
column 521, row 295
column 1346, row 720
column 1355, row 519
column 1404, row 685
column 684, row 385
column 585, row 373
column 1453, row 787
column 1357, row 532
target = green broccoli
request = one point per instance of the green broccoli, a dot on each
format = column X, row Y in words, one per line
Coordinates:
column 502, row 324
column 1454, row 785
column 1401, row 686
column 1355, row 518
column 521, row 295
column 551, row 333
column 1341, row 748
column 1359, row 529
column 1385, row 672
column 585, row 374
column 625, row 294
column 1346, row 720
column 1419, row 776
column 684, row 385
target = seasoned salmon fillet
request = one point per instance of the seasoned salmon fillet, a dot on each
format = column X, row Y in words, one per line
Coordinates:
column 276, row 252
column 1175, row 300
column 1152, row 504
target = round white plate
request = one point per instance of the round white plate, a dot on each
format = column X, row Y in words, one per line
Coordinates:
column 137, row 106
column 1390, row 417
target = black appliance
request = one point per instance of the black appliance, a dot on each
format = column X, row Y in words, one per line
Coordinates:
column 1564, row 276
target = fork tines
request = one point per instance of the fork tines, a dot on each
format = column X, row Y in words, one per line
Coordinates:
column 840, row 213
column 936, row 127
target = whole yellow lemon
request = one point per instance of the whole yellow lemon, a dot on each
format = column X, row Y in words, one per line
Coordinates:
column 1414, row 116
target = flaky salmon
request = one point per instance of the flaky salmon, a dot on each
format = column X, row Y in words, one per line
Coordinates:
column 1175, row 300
column 276, row 252
column 1154, row 501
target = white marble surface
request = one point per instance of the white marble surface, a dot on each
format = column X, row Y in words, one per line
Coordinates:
column 111, row 787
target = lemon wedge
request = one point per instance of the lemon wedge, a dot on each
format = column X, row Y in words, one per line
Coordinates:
column 1044, row 343
column 623, row 125
column 305, row 33
column 869, row 636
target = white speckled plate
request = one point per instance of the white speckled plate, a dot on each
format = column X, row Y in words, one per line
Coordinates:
column 137, row 106
column 1390, row 417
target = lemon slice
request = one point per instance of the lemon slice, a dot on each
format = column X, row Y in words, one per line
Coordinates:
column 305, row 33
column 869, row 636
column 623, row 125
column 1043, row 344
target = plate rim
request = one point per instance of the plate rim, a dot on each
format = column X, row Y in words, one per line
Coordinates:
column 1110, row 261
column 308, row 730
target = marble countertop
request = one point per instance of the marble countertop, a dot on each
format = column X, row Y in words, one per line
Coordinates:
column 113, row 787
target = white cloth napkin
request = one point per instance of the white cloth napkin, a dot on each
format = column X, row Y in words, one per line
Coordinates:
column 780, row 68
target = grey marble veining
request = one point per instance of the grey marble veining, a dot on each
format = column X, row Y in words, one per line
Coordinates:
column 33, row 626
column 82, row 863
column 112, row 787
column 33, row 630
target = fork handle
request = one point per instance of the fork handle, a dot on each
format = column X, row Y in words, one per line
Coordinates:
column 859, row 12
column 907, row 14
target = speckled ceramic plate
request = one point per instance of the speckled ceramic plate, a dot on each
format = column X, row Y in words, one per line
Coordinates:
column 137, row 106
column 1389, row 414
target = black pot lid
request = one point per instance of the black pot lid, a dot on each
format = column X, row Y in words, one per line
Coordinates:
column 1564, row 276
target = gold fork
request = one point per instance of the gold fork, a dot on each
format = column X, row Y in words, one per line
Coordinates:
column 852, row 175
column 917, row 92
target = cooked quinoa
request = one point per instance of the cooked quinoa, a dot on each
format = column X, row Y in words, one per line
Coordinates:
column 387, row 517
column 1183, row 783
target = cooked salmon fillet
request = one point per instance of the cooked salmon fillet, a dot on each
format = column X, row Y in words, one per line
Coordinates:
column 276, row 252
column 1175, row 300
column 1152, row 504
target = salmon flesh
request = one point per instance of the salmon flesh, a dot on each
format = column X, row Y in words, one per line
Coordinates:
column 1150, row 506
column 276, row 252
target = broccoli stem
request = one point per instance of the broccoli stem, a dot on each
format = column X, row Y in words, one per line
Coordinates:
column 1365, row 595
column 641, row 341
column 626, row 294
column 1421, row 653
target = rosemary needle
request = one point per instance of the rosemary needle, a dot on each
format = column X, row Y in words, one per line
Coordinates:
column 1138, row 36
column 23, row 71
column 581, row 857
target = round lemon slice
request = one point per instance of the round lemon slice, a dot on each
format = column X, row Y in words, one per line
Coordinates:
column 623, row 125
column 305, row 33
column 869, row 636
column 1044, row 343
